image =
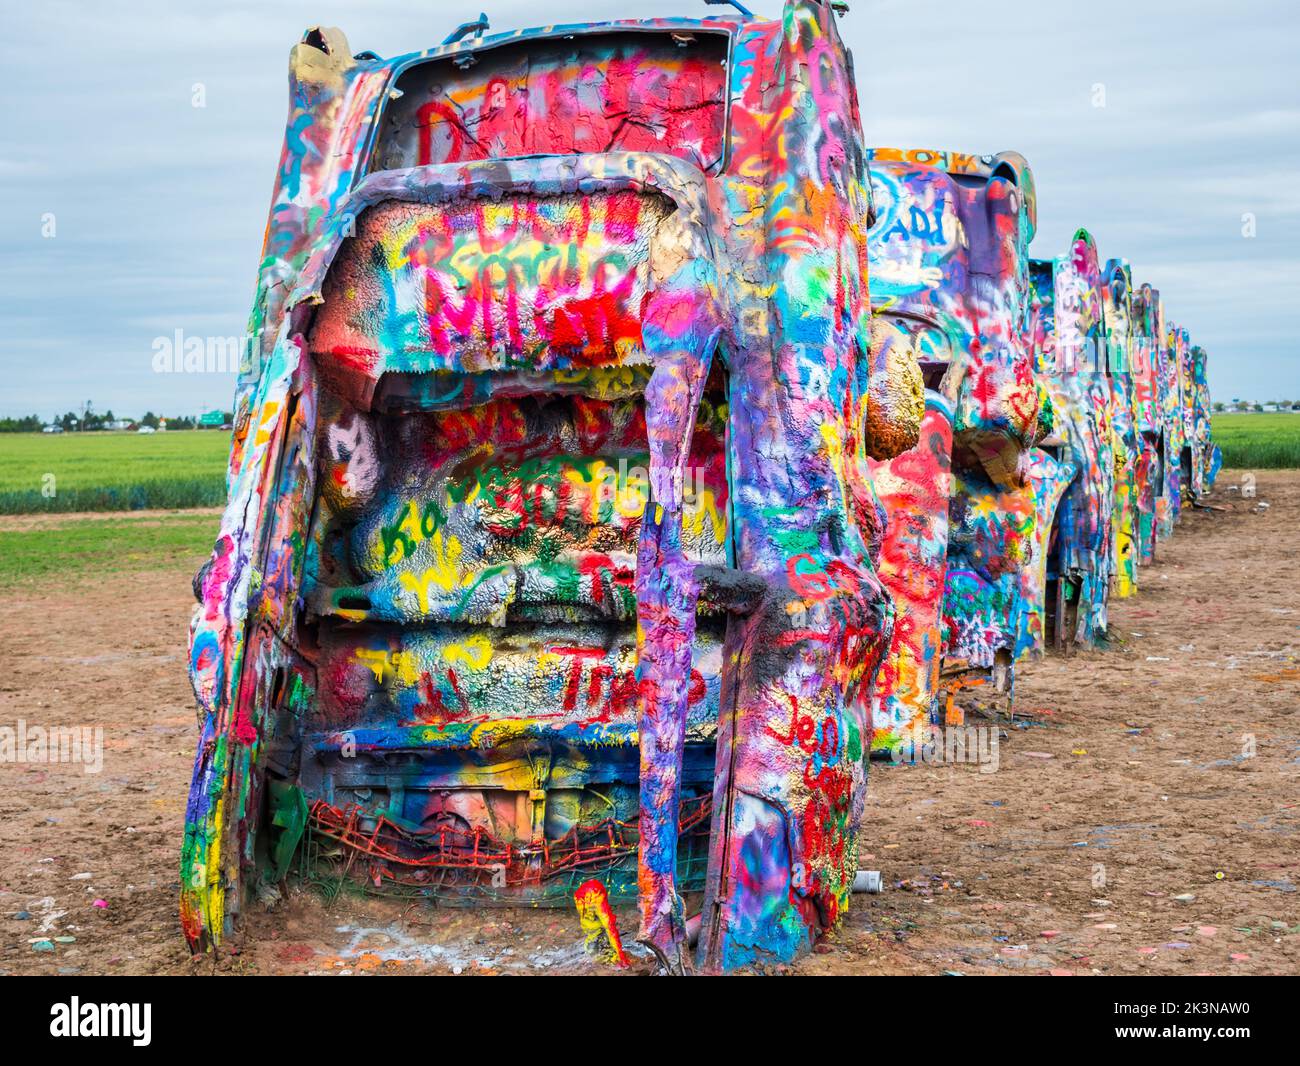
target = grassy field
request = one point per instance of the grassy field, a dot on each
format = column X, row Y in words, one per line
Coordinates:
column 64, row 548
column 44, row 473
column 1258, row 441
column 59, row 473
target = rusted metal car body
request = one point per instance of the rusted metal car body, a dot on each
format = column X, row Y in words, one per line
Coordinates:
column 1148, row 411
column 1191, row 447
column 1173, row 410
column 1075, row 493
column 1118, row 319
column 1051, row 469
column 1203, row 457
column 551, row 547
column 1172, row 394
column 1124, row 386
column 914, row 489
column 949, row 258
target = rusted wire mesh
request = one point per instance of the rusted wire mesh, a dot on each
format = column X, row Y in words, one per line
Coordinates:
column 381, row 856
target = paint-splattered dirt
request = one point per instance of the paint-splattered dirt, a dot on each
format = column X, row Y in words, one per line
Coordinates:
column 1144, row 816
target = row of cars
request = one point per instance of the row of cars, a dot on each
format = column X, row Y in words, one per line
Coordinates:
column 627, row 451
column 1065, row 421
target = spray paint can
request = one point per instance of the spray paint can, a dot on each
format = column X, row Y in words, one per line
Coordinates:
column 868, row 881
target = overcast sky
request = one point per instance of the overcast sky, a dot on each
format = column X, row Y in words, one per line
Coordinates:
column 159, row 206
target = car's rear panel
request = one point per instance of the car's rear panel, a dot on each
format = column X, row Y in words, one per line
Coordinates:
column 551, row 545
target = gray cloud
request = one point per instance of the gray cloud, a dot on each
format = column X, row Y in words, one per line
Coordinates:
column 160, row 206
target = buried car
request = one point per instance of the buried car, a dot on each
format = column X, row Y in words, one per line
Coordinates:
column 1204, row 458
column 1120, row 342
column 1128, row 399
column 551, row 549
column 1148, row 382
column 1076, row 464
column 949, row 256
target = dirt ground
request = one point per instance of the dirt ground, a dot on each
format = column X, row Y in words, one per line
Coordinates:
column 1144, row 815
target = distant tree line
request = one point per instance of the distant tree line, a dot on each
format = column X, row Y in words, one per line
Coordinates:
column 1247, row 405
column 90, row 420
column 30, row 424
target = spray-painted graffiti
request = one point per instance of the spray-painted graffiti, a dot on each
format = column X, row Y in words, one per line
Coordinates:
column 1148, row 411
column 1104, row 355
column 1118, row 318
column 625, row 452
column 914, row 489
column 552, row 546
column 949, row 257
column 1068, row 332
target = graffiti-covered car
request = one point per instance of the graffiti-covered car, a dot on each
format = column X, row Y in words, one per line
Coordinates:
column 551, row 546
column 1074, row 483
column 1153, row 471
column 949, row 259
column 1131, row 405
column 1117, row 314
column 1191, row 450
column 1202, row 456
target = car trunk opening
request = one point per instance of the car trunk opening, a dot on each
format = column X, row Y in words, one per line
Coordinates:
column 486, row 463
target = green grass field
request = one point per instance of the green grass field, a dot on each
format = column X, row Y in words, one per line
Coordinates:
column 58, row 473
column 1258, row 441
column 44, row 473
column 82, row 548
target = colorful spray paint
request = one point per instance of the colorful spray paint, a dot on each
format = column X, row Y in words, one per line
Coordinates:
column 1118, row 318
column 552, row 545
column 1104, row 355
column 914, row 489
column 949, row 256
column 1148, row 410
column 589, row 510
column 601, row 938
